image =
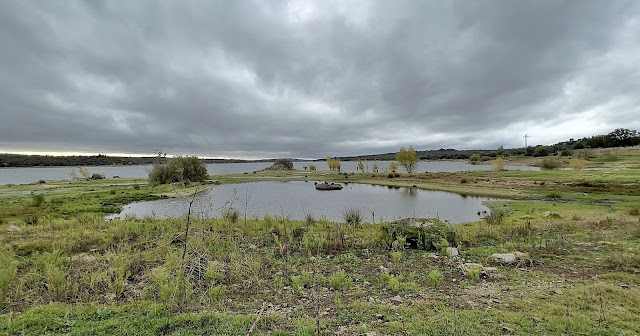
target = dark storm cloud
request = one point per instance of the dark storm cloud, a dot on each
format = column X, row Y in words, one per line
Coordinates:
column 305, row 79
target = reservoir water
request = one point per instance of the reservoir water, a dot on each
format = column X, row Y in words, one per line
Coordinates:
column 295, row 199
column 31, row 175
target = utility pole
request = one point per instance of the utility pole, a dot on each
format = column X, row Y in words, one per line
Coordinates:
column 526, row 136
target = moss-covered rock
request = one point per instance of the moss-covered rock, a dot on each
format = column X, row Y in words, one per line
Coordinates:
column 419, row 233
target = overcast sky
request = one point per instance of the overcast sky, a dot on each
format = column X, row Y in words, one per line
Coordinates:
column 305, row 79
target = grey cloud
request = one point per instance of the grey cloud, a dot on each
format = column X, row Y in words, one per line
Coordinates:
column 278, row 79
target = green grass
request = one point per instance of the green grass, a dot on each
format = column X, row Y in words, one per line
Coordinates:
column 70, row 272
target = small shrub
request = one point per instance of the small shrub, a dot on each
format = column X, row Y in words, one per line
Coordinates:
column 37, row 200
column 393, row 166
column 549, row 164
column 339, row 280
column 577, row 163
column 464, row 180
column 136, row 187
column 399, row 243
column 312, row 167
column 474, row 158
column 396, row 256
column 42, row 181
column 474, row 274
column 297, row 284
column 496, row 217
column 393, row 283
column 441, row 245
column 112, row 191
column 435, row 278
column 309, row 220
column 231, row 215
column 498, row 164
column 352, row 216
column 635, row 211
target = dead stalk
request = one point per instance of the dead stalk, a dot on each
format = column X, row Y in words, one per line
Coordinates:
column 255, row 323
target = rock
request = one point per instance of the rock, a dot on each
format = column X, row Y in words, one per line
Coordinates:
column 494, row 300
column 583, row 244
column 397, row 300
column 558, row 291
column 507, row 258
column 606, row 243
column 466, row 267
column 419, row 233
column 414, row 222
column 452, row 251
column 97, row 176
column 625, row 286
column 370, row 333
column 116, row 176
column 489, row 270
column 13, row 228
column 507, row 329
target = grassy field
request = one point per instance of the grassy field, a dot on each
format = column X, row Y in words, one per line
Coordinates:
column 65, row 270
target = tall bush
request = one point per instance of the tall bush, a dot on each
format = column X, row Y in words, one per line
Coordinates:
column 549, row 164
column 179, row 169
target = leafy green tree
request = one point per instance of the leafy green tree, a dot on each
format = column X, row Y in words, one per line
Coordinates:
column 407, row 158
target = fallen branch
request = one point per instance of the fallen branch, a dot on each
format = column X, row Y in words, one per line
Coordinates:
column 255, row 323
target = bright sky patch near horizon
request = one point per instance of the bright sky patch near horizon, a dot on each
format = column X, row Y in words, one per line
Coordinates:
column 255, row 79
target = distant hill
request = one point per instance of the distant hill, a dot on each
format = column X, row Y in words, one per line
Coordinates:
column 19, row 160
column 618, row 138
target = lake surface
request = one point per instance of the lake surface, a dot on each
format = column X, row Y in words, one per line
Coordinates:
column 30, row 175
column 295, row 199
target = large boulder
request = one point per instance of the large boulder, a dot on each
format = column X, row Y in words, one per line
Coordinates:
column 97, row 176
column 452, row 252
column 512, row 258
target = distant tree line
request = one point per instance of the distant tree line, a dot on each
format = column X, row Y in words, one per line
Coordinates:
column 618, row 138
column 19, row 160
